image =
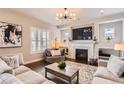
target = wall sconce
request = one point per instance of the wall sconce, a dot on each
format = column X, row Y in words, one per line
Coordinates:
column 95, row 39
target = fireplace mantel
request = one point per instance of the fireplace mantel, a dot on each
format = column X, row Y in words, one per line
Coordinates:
column 82, row 42
column 88, row 46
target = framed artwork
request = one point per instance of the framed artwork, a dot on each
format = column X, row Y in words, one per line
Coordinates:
column 84, row 33
column 10, row 35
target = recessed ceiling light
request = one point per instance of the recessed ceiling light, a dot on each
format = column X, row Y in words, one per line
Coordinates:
column 101, row 12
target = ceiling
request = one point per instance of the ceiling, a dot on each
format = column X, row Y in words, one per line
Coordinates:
column 83, row 14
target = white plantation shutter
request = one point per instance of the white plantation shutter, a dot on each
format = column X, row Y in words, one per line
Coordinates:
column 40, row 39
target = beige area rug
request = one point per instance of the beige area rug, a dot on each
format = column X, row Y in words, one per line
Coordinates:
column 85, row 73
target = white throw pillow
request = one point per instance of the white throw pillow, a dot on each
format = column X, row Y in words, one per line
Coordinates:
column 11, row 61
column 52, row 52
column 112, row 58
column 115, row 66
column 21, row 60
column 55, row 52
column 4, row 67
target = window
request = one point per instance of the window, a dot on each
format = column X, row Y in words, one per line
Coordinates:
column 110, row 32
column 65, row 34
column 39, row 39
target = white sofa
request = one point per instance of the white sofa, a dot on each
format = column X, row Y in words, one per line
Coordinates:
column 22, row 75
column 103, row 76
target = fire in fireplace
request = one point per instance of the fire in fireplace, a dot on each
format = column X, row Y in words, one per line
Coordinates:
column 81, row 55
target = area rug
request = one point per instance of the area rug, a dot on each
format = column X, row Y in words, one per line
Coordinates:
column 85, row 73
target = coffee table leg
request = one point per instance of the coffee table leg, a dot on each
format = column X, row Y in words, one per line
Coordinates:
column 77, row 77
column 45, row 72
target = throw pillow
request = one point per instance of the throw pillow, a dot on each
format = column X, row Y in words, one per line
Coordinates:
column 62, row 52
column 58, row 52
column 7, row 78
column 52, row 52
column 4, row 67
column 48, row 53
column 55, row 52
column 116, row 66
column 11, row 61
column 113, row 57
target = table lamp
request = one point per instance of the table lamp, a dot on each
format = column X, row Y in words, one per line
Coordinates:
column 55, row 43
column 119, row 47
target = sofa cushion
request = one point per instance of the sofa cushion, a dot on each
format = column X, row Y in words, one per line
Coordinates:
column 55, row 59
column 48, row 82
column 31, row 77
column 6, row 78
column 56, row 52
column 21, row 61
column 48, row 53
column 63, row 51
column 21, row 69
column 116, row 66
column 11, row 61
column 104, row 73
column 4, row 67
column 98, row 80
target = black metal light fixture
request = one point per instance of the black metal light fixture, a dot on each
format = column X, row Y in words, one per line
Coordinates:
column 66, row 16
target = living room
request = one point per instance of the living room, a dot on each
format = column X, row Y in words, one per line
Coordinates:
column 69, row 47
column 61, row 46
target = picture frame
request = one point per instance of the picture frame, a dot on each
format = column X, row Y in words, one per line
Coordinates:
column 10, row 35
column 83, row 33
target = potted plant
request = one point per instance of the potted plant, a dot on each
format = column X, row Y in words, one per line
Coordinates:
column 62, row 64
column 108, row 38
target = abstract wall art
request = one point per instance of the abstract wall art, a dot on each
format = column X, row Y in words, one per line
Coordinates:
column 10, row 35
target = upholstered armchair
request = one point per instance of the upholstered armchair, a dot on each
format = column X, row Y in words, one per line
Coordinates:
column 48, row 57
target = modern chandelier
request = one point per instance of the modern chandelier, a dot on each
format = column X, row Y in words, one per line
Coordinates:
column 65, row 16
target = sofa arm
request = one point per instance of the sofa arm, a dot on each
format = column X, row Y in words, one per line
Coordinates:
column 102, row 62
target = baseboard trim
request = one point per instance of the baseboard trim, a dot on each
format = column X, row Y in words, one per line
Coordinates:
column 33, row 61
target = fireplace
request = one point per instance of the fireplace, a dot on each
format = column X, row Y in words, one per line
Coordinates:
column 81, row 55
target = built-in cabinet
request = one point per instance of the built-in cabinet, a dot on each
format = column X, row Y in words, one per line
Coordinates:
column 108, row 34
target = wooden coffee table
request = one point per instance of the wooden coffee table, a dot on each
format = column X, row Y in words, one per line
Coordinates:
column 68, row 74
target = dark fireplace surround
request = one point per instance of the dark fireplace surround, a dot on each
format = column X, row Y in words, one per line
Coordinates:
column 81, row 55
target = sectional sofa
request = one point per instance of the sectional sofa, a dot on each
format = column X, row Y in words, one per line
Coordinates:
column 104, row 76
column 22, row 74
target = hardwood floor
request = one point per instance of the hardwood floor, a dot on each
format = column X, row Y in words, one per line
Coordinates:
column 37, row 65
